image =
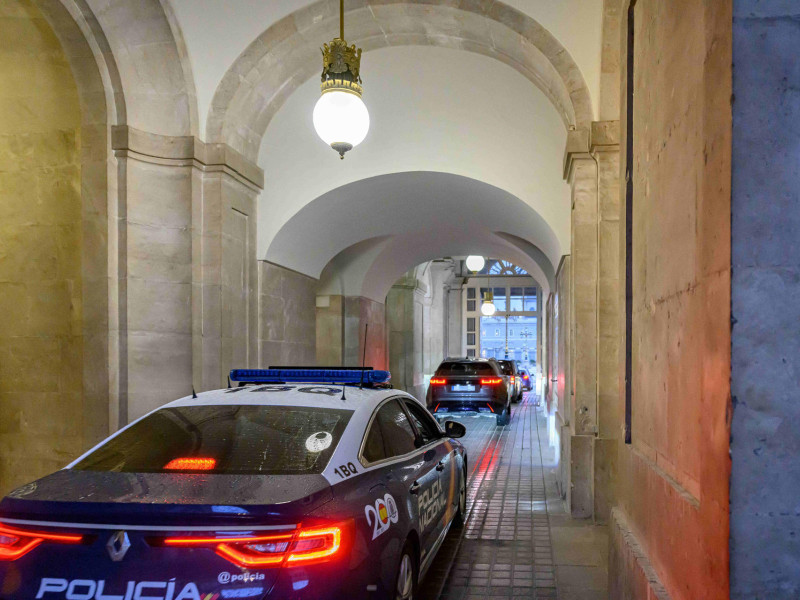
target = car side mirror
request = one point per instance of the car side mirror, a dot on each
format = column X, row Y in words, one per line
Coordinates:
column 454, row 429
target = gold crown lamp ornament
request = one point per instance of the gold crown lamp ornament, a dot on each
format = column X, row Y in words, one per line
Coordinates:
column 341, row 118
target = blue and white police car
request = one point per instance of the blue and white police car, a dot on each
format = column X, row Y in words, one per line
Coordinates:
column 293, row 485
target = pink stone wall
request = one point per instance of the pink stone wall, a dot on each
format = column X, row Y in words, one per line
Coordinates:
column 673, row 479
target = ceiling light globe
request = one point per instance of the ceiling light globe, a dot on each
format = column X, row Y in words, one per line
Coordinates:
column 341, row 119
column 475, row 263
column 488, row 308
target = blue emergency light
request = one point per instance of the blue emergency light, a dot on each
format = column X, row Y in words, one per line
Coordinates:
column 367, row 376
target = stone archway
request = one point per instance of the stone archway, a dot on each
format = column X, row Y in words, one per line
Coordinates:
column 287, row 54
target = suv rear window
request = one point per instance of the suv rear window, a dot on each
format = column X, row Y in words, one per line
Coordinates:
column 466, row 368
column 267, row 440
column 507, row 366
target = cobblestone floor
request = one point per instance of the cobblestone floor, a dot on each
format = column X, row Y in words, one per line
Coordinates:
column 505, row 549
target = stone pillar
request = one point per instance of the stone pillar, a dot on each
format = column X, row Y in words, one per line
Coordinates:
column 225, row 270
column 562, row 368
column 581, row 173
column 591, row 168
column 182, row 259
column 605, row 150
column 154, row 271
column 454, row 325
column 405, row 325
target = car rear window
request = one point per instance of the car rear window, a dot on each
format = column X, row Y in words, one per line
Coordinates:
column 507, row 367
column 267, row 440
column 465, row 368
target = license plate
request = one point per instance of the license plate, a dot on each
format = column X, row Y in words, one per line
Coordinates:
column 463, row 388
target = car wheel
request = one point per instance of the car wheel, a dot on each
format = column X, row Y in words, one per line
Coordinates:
column 504, row 417
column 461, row 515
column 406, row 586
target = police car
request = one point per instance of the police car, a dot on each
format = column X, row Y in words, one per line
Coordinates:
column 296, row 484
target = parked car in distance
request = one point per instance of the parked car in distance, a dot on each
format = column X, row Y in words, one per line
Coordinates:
column 527, row 383
column 471, row 385
column 509, row 368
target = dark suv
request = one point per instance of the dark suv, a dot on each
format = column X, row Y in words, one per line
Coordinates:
column 463, row 384
column 509, row 368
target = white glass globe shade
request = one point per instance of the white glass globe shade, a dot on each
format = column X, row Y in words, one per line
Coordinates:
column 475, row 263
column 488, row 308
column 341, row 117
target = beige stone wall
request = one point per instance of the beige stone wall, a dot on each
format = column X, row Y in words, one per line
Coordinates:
column 360, row 312
column 287, row 320
column 673, row 478
column 41, row 318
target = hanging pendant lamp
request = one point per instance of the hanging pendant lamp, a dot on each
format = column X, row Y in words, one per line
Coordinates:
column 475, row 263
column 487, row 307
column 341, row 118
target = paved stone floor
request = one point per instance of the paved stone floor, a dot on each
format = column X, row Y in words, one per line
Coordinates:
column 518, row 542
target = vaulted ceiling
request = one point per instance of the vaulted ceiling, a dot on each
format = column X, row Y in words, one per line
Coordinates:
column 470, row 106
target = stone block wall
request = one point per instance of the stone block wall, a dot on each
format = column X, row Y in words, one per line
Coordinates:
column 765, row 287
column 43, row 422
column 360, row 312
column 287, row 320
column 672, row 481
column 341, row 323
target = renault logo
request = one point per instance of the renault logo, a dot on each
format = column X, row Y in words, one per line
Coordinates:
column 118, row 545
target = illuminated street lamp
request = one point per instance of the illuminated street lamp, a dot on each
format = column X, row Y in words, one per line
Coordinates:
column 475, row 263
column 487, row 307
column 341, row 118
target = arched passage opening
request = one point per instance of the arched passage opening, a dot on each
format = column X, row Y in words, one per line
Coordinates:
column 433, row 311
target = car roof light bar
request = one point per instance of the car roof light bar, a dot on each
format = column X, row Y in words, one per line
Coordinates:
column 333, row 375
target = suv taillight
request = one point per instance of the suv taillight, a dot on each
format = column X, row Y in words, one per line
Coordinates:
column 491, row 381
column 438, row 381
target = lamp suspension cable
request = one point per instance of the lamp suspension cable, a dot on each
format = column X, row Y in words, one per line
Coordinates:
column 341, row 118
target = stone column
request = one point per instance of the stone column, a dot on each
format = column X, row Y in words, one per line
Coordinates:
column 605, row 150
column 563, row 402
column 591, row 168
column 182, row 259
column 405, row 325
column 581, row 173
column 225, row 271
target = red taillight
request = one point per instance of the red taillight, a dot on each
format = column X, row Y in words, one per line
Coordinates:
column 266, row 552
column 191, row 464
column 491, row 381
column 512, row 379
column 15, row 543
column 304, row 546
column 525, row 377
column 316, row 544
column 438, row 381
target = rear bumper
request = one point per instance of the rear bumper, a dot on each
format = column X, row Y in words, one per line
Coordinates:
column 207, row 577
column 459, row 405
